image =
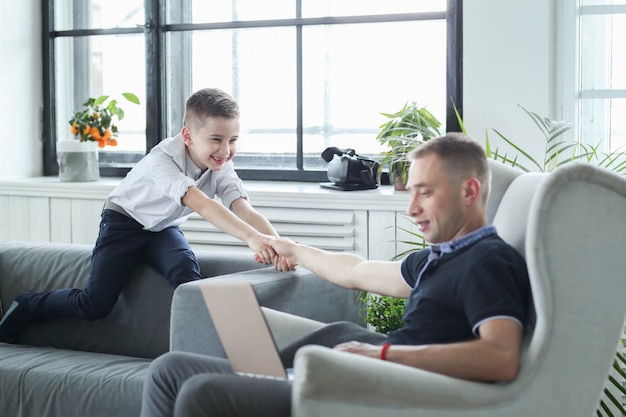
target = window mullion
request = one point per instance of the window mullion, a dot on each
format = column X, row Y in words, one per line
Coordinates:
column 50, row 165
column 155, row 78
column 454, row 58
column 299, row 93
column 177, row 48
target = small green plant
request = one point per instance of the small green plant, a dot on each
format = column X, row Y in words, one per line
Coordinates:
column 384, row 313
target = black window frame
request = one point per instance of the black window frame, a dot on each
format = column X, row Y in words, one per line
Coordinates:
column 156, row 29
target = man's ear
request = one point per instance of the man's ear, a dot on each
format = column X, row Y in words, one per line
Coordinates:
column 471, row 190
column 187, row 135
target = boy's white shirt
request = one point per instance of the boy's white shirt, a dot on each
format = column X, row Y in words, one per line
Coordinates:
column 152, row 191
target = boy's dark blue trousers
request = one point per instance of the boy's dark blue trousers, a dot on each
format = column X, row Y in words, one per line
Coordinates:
column 122, row 242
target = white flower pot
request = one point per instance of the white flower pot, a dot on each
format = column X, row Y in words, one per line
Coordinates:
column 78, row 161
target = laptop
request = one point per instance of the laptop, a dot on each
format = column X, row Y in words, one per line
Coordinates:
column 243, row 330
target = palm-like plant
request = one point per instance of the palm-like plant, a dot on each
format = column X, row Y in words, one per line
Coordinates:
column 558, row 151
column 607, row 397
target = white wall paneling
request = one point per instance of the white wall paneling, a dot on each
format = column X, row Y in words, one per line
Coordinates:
column 360, row 222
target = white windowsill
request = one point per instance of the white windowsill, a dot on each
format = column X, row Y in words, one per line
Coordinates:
column 262, row 193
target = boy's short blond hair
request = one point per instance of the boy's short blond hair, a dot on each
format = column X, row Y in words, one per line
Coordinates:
column 209, row 102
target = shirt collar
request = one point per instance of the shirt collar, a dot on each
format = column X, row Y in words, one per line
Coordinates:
column 191, row 169
column 463, row 241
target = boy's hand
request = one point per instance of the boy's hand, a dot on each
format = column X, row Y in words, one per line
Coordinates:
column 264, row 253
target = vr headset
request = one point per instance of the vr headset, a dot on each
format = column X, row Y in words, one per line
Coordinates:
column 348, row 171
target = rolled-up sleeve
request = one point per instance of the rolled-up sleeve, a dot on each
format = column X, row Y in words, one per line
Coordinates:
column 229, row 186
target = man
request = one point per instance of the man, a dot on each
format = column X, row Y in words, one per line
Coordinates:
column 468, row 296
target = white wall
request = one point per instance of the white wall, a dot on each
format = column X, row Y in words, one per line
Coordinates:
column 508, row 60
column 21, row 99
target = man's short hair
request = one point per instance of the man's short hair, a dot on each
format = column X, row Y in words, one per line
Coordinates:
column 209, row 102
column 462, row 158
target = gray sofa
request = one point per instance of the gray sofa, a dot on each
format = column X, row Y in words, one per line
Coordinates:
column 70, row 367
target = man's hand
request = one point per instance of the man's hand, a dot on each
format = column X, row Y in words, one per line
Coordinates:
column 364, row 349
column 268, row 256
column 284, row 248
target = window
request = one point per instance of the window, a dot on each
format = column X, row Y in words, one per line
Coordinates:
column 307, row 74
column 602, row 74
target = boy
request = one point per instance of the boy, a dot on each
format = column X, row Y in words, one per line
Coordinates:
column 141, row 217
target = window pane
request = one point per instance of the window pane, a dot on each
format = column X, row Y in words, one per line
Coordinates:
column 602, row 53
column 602, row 122
column 352, row 73
column 318, row 8
column 202, row 11
column 102, row 65
column 256, row 66
column 96, row 14
column 601, row 2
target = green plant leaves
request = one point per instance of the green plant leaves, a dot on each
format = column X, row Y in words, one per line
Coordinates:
column 558, row 151
column 131, row 97
column 404, row 131
column 384, row 313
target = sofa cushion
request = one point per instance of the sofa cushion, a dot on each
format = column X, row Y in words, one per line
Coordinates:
column 38, row 381
column 139, row 323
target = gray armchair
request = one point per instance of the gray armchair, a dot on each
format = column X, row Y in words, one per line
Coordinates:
column 569, row 225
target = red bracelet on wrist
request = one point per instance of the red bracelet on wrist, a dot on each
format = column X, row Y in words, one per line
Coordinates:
column 383, row 351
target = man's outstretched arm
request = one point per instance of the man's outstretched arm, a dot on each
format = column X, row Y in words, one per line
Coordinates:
column 344, row 269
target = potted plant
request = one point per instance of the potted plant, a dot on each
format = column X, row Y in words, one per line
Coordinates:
column 95, row 121
column 382, row 312
column 405, row 129
column 94, row 127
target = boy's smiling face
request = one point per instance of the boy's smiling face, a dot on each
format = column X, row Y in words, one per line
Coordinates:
column 213, row 143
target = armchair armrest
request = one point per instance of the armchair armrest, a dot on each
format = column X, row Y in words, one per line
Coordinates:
column 333, row 383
